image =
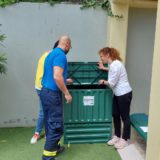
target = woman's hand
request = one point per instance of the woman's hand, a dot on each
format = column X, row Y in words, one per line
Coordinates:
column 101, row 82
column 101, row 66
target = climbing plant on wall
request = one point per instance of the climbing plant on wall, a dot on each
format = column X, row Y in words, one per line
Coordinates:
column 3, row 59
column 104, row 4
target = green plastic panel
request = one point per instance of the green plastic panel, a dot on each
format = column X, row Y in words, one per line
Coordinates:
column 85, row 73
column 87, row 133
column 139, row 120
column 89, row 105
column 88, row 119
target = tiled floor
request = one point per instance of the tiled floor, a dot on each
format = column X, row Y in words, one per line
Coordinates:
column 130, row 153
column 136, row 150
column 139, row 143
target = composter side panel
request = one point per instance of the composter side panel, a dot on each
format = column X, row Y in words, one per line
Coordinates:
column 89, row 106
column 88, row 119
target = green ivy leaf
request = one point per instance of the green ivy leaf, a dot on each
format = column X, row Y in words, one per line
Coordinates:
column 3, row 62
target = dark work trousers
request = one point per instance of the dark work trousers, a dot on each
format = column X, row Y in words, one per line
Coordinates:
column 53, row 119
column 121, row 110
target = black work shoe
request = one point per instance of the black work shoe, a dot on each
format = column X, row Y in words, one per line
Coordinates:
column 60, row 149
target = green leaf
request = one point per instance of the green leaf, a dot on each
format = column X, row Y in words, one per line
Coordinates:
column 2, row 37
column 3, row 62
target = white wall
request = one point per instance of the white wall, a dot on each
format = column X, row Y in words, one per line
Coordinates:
column 31, row 29
column 141, row 31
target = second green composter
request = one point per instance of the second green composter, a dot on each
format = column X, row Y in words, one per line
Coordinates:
column 88, row 119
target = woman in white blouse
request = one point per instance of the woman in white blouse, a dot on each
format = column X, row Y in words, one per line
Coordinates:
column 118, row 82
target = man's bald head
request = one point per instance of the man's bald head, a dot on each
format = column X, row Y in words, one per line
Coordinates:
column 65, row 43
column 64, row 39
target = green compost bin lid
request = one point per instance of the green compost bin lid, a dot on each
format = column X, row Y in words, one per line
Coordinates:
column 85, row 73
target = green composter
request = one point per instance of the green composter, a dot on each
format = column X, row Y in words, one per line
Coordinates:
column 88, row 119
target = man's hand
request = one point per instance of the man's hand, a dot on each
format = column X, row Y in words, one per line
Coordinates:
column 68, row 97
column 69, row 81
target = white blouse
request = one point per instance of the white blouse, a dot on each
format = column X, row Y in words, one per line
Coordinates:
column 117, row 78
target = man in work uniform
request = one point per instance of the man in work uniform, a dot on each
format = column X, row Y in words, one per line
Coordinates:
column 54, row 85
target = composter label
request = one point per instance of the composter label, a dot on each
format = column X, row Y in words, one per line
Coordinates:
column 88, row 100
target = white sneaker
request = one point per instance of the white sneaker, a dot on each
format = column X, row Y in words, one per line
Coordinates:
column 121, row 144
column 113, row 141
column 34, row 139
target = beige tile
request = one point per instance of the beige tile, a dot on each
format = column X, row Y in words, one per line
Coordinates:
column 130, row 153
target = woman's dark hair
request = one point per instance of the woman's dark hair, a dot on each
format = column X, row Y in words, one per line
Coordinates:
column 112, row 52
column 56, row 44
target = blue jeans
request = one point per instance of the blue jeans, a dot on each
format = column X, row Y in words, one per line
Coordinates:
column 40, row 120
